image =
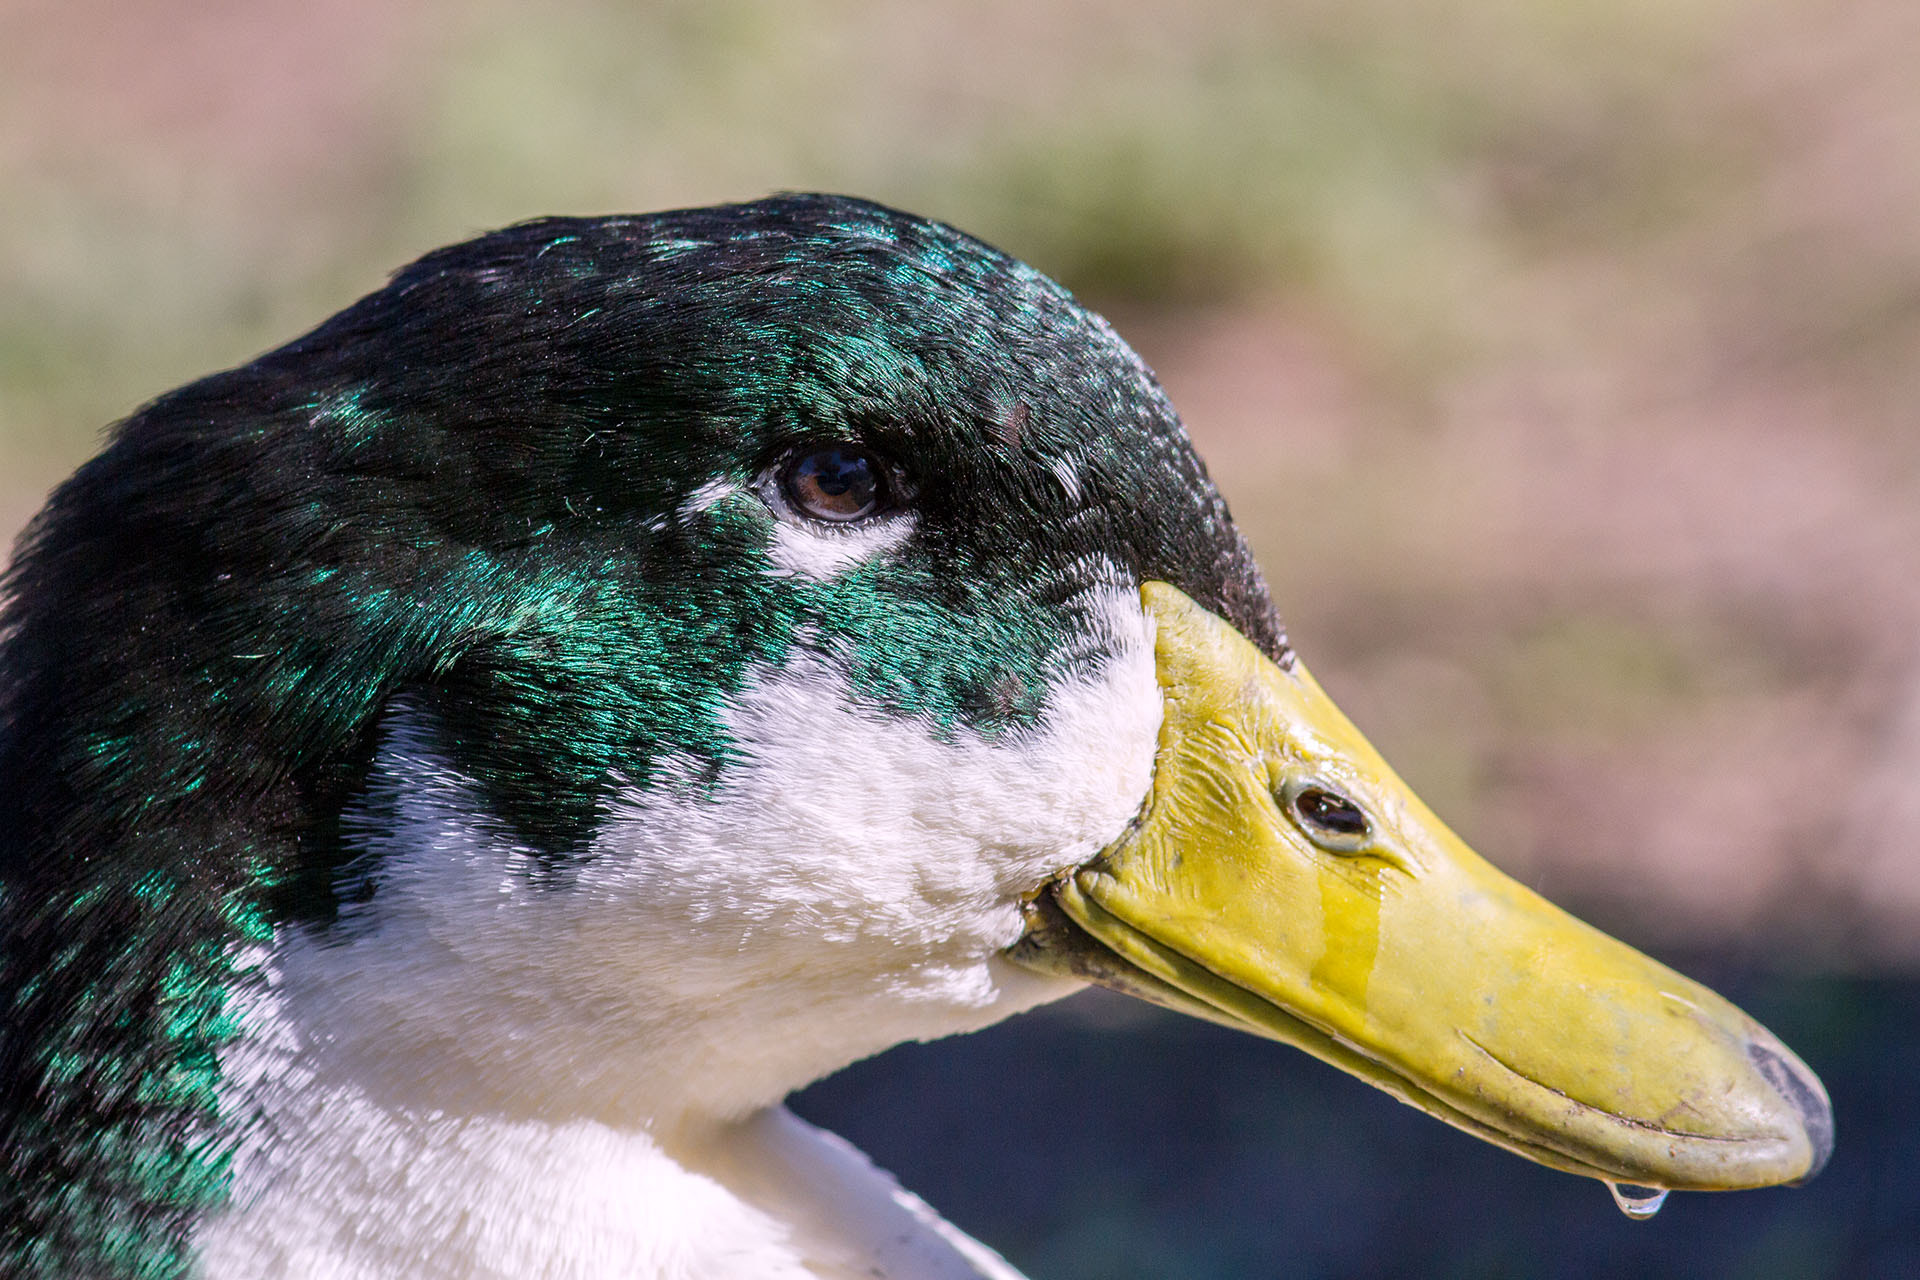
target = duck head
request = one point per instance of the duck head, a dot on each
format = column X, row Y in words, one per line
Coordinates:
column 629, row 667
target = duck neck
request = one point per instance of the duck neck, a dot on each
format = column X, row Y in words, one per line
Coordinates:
column 705, row 956
column 511, row 1023
column 352, row 1166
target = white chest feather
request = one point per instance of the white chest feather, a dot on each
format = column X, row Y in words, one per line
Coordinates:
column 347, row 1192
column 499, row 1068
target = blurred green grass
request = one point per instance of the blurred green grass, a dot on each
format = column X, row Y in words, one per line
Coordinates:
column 1360, row 156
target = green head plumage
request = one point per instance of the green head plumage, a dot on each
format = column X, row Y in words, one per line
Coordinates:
column 537, row 483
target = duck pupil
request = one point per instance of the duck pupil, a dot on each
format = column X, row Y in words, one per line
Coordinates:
column 834, row 484
column 1330, row 812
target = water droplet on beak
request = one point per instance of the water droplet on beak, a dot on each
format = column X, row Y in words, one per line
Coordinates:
column 1638, row 1203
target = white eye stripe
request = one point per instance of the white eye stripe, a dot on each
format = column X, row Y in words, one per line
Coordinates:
column 822, row 551
column 707, row 496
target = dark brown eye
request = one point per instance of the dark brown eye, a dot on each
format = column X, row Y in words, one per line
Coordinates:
column 835, row 483
column 1329, row 813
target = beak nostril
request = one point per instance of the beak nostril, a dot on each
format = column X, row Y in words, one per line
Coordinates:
column 1798, row 1086
column 1325, row 816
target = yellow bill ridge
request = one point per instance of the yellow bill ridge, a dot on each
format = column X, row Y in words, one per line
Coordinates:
column 1281, row 879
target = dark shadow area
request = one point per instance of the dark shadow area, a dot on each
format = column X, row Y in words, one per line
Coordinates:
column 1104, row 1140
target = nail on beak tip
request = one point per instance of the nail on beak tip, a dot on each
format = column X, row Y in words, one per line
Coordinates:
column 1802, row 1090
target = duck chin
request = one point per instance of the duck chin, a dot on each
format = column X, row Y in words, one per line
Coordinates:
column 847, row 883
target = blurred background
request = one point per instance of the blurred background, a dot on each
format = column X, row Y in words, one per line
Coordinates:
column 1561, row 359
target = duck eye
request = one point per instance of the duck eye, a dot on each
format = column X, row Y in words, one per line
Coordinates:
column 1328, row 814
column 835, row 483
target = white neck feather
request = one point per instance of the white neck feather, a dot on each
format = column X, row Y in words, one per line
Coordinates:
column 499, row 1068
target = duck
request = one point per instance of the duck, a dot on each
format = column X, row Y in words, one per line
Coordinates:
column 461, row 770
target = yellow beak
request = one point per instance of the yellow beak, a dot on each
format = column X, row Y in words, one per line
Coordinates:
column 1282, row 880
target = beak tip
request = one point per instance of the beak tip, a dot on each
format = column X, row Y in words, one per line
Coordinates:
column 1801, row 1089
